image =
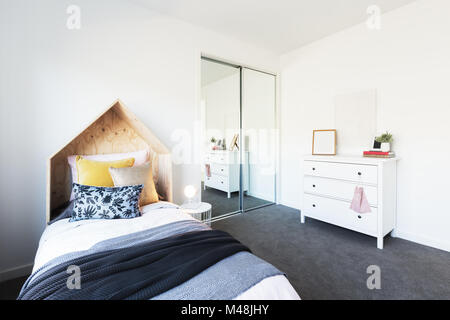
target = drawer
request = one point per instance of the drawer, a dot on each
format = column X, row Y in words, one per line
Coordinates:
column 339, row 213
column 224, row 157
column 337, row 189
column 219, row 158
column 220, row 169
column 217, row 182
column 343, row 171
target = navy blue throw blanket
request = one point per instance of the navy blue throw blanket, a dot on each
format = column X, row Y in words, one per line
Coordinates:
column 139, row 272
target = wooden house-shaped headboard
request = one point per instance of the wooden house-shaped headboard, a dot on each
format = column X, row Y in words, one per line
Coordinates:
column 116, row 130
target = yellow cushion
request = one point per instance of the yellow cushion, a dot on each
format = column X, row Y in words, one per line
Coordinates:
column 96, row 173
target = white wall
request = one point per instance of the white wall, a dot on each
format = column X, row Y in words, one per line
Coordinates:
column 222, row 101
column 53, row 81
column 408, row 62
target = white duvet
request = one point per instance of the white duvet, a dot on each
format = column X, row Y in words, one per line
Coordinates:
column 63, row 237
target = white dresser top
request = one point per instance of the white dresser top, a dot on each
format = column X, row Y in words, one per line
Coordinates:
column 349, row 159
column 224, row 151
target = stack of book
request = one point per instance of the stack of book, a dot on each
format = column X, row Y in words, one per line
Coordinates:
column 379, row 154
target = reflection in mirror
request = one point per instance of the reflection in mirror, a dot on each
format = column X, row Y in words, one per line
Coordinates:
column 238, row 173
column 220, row 121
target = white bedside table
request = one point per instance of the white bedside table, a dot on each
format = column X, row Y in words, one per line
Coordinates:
column 200, row 211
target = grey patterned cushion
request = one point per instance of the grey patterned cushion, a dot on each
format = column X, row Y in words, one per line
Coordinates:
column 105, row 202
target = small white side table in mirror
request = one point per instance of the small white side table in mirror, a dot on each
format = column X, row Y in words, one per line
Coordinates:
column 200, row 211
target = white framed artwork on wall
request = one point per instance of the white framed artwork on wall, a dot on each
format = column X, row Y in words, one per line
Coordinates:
column 356, row 120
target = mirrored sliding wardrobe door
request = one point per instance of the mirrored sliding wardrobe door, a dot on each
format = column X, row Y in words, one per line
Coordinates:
column 259, row 138
column 220, row 121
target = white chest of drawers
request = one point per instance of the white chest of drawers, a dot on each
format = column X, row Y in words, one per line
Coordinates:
column 224, row 171
column 329, row 185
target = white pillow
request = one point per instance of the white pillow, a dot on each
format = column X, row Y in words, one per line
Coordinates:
column 159, row 205
column 140, row 157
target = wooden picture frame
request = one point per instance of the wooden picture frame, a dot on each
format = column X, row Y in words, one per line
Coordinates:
column 324, row 142
column 234, row 142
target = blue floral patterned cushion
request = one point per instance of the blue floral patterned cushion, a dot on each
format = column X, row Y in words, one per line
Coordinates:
column 105, row 202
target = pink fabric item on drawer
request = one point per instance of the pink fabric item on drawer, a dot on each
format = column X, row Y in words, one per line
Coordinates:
column 359, row 203
column 140, row 157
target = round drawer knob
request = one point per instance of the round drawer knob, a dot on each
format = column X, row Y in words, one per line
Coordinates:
column 314, row 205
column 314, row 185
column 359, row 217
column 359, row 174
column 314, row 169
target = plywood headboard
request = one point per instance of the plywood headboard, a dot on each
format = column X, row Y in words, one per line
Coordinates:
column 116, row 130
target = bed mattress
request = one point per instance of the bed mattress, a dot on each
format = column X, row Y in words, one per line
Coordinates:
column 63, row 237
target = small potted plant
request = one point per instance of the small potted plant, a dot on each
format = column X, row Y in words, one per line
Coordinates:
column 213, row 143
column 385, row 139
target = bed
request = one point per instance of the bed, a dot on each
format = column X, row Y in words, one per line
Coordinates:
column 163, row 254
column 247, row 283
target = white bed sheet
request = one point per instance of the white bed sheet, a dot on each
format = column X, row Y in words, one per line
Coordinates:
column 63, row 237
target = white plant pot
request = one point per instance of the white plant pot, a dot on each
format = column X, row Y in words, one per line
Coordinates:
column 386, row 147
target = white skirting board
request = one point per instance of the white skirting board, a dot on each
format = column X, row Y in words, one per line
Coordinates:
column 422, row 240
column 16, row 272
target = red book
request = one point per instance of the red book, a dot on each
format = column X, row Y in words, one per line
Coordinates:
column 377, row 153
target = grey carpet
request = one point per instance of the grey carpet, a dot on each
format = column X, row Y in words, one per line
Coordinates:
column 327, row 262
column 9, row 290
column 222, row 205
